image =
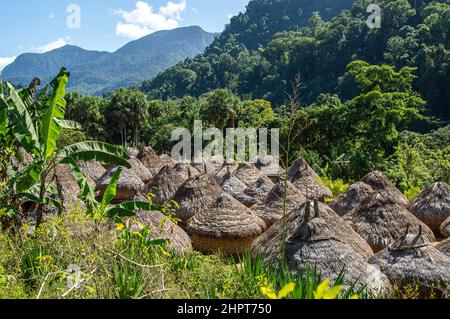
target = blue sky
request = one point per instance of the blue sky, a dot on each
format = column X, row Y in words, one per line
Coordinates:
column 39, row 26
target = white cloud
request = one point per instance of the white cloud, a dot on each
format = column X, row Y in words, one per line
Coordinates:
column 53, row 45
column 144, row 20
column 4, row 61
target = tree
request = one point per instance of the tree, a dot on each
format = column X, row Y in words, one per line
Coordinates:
column 219, row 107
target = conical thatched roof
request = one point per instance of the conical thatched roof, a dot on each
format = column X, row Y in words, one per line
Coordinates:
column 67, row 185
column 162, row 228
column 444, row 246
column 140, row 170
column 445, row 228
column 151, row 160
column 432, row 206
column 225, row 169
column 167, row 160
column 412, row 258
column 318, row 237
column 226, row 226
column 259, row 190
column 271, row 208
column 128, row 186
column 381, row 220
column 165, row 185
column 248, row 173
column 186, row 170
column 269, row 166
column 379, row 182
column 204, row 167
column 349, row 199
column 307, row 181
column 196, row 195
column 132, row 152
column 235, row 187
column 92, row 169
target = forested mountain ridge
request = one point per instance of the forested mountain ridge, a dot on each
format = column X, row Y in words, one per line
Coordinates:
column 97, row 72
column 414, row 33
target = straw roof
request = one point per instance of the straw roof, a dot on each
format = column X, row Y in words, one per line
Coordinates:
column 165, row 185
column 269, row 166
column 432, row 205
column 196, row 194
column 307, row 181
column 92, row 169
column 271, row 208
column 22, row 160
column 167, row 160
column 67, row 185
column 381, row 220
column 349, row 199
column 186, row 170
column 444, row 246
column 128, row 186
column 379, row 182
column 140, row 170
column 151, row 160
column 445, row 228
column 226, row 167
column 204, row 167
column 248, row 173
column 259, row 190
column 318, row 237
column 412, row 258
column 226, row 226
column 162, row 228
column 132, row 151
column 235, row 187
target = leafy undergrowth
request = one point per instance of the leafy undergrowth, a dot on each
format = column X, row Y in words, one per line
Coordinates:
column 75, row 256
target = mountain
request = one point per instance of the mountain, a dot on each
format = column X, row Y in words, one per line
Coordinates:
column 94, row 72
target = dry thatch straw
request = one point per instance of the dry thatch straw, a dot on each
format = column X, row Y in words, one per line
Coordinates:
column 132, row 151
column 432, row 206
column 248, row 174
column 318, row 237
column 235, row 187
column 151, row 160
column 186, row 170
column 379, row 182
column 225, row 169
column 196, row 195
column 22, row 160
column 444, row 246
column 259, row 191
column 67, row 185
column 307, row 181
column 165, row 185
column 167, row 160
column 269, row 166
column 226, row 226
column 349, row 199
column 203, row 167
column 92, row 169
column 140, row 170
column 445, row 228
column 128, row 186
column 162, row 227
column 413, row 259
column 271, row 208
column 381, row 220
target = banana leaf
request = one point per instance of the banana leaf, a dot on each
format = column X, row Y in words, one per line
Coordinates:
column 91, row 150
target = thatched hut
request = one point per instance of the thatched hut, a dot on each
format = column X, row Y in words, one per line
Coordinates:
column 307, row 181
column 318, row 237
column 67, row 185
column 270, row 167
column 271, row 209
column 235, row 187
column 151, row 160
column 22, row 160
column 351, row 198
column 167, row 160
column 164, row 185
column 379, row 182
column 444, row 246
column 248, row 173
column 161, row 227
column 381, row 220
column 186, row 170
column 413, row 259
column 445, row 228
column 140, row 170
column 128, row 186
column 92, row 169
column 225, row 169
column 203, row 167
column 226, row 226
column 259, row 190
column 132, row 152
column 432, row 205
column 195, row 195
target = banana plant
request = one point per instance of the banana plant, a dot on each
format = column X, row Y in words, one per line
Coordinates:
column 34, row 122
column 104, row 209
